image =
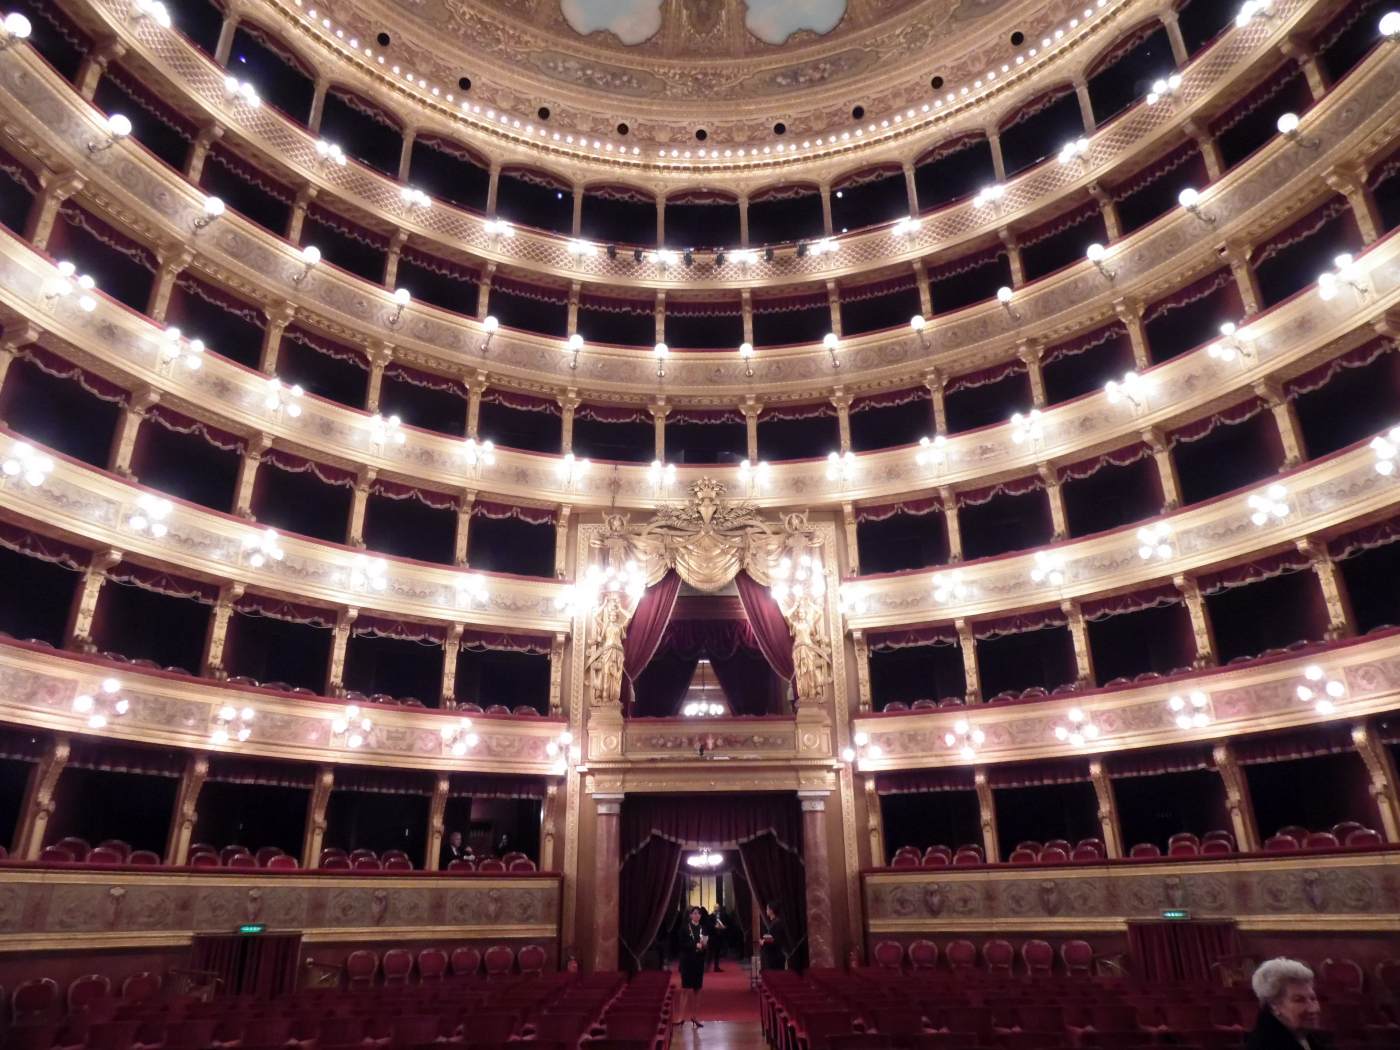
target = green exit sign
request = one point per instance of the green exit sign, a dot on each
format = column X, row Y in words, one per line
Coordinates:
column 252, row 927
column 1175, row 913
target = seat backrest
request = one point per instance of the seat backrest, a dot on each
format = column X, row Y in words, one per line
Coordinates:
column 461, row 864
column 356, row 854
column 88, row 989
column 141, row 986
column 1183, row 848
column 1212, row 847
column 1039, row 957
column 1053, row 854
column 242, row 860
column 335, row 863
column 266, row 853
column 1145, row 849
column 1086, row 851
column 78, row 848
column 966, row 857
column 144, row 858
column 491, row 864
column 1320, row 840
column 35, row 1000
column 938, row 851
column 923, row 954
column 1022, row 855
column 1364, row 837
column 1341, row 975
column 1280, row 844
column 498, row 960
column 432, row 964
column 360, row 967
column 1183, row 836
column 367, row 864
column 938, row 860
column 1059, row 844
column 998, row 956
column 118, row 845
column 905, row 860
column 398, row 864
column 390, row 854
column 1344, row 828
column 513, row 855
column 1032, row 845
column 1078, row 957
column 1218, row 833
column 105, row 855
column 522, row 864
column 282, row 862
column 465, row 961
column 229, row 852
column 532, row 959
column 961, row 954
column 204, row 859
column 889, row 955
column 56, row 855
column 397, row 965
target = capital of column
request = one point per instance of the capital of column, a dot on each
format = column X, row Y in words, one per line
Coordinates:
column 813, row 801
column 608, row 805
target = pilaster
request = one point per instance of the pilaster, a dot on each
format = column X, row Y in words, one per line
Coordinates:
column 493, row 188
column 949, row 499
column 874, row 822
column 78, row 636
column 820, row 945
column 318, row 104
column 967, row 645
column 1201, row 629
column 1237, row 254
column 1108, row 809
column 340, row 641
column 1029, row 352
column 216, row 635
column 94, row 66
column 1237, row 800
column 1079, row 637
column 911, row 188
column 659, row 411
column 1290, row 431
column 315, row 834
column 1086, row 105
column 55, row 187
column 461, row 536
column 833, row 303
column 1108, row 208
column 568, row 404
column 1381, row 776
column 1351, row 184
column 557, row 648
column 607, row 845
column 278, row 318
column 1055, row 497
column 1341, row 622
column 1130, row 313
column 451, row 650
column 862, row 665
column 842, row 402
column 936, row 383
column 359, row 502
column 751, row 409
column 921, row 283
column 437, row 813
column 297, row 219
column 1210, row 149
column 561, row 538
column 986, row 804
column 171, row 261
column 381, row 355
column 549, row 826
column 1299, row 49
column 177, row 843
column 1166, row 468
column 38, row 804
column 199, row 151
column 245, row 487
column 852, row 536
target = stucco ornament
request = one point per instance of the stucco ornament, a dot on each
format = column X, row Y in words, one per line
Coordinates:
column 631, row 21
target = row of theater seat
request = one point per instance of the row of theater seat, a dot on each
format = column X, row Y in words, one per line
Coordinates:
column 396, row 860
column 114, row 852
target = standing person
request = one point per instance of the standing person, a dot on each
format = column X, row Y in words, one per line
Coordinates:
column 1289, row 1013
column 694, row 942
column 719, row 933
column 774, row 942
column 452, row 850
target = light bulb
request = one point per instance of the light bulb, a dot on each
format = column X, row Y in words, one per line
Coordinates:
column 118, row 125
column 402, row 296
column 311, row 255
column 1003, row 294
column 1288, row 123
column 491, row 324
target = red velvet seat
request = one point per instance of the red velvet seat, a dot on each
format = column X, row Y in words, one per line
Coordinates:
column 1184, row 848
column 1344, row 828
column 905, row 860
column 356, row 854
column 1053, row 854
column 1340, row 976
column 1144, row 849
column 282, row 862
column 889, row 955
column 397, row 964
column 398, row 864
column 189, row 1034
column 513, row 855
column 937, row 851
column 964, row 858
column 1221, row 834
column 335, row 863
column 491, row 864
column 1280, row 844
column 1364, row 837
column 1183, row 836
column 923, row 954
column 498, row 960
column 465, row 961
column 266, row 853
column 361, row 966
column 1297, row 831
column 35, row 1001
column 207, row 859
column 1078, row 957
column 997, row 956
column 105, row 855
column 390, row 854
column 144, row 858
column 86, row 990
column 141, row 987
column 432, row 964
column 1059, row 844
column 521, row 864
column 55, row 855
column 242, row 861
column 229, row 852
column 1320, row 840
column 78, row 848
column 1086, row 852
column 367, row 864
column 1038, row 956
column 1032, row 845
column 120, row 846
column 1215, row 847
column 1021, row 855
column 961, row 955
column 461, row 864
column 531, row 960
column 111, row 1035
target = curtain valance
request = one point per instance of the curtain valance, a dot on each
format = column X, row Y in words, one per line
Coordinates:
column 477, row 641
column 1035, row 106
column 327, row 347
column 109, row 756
column 1121, row 765
column 1183, row 153
column 483, row 508
column 1265, row 568
column 377, row 781
column 1193, row 292
column 521, row 402
column 1019, row 623
column 181, row 424
column 273, row 43
column 80, row 217
column 343, row 226
column 1157, row 597
column 1284, row 747
column 294, row 464
column 490, row 785
column 289, row 612
column 913, row 638
column 1037, row 774
column 912, row 507
column 425, row 634
column 365, row 108
column 923, row 781
column 225, row 301
column 52, row 364
column 45, row 548
column 523, row 289
column 708, row 820
column 1012, row 487
column 241, row 769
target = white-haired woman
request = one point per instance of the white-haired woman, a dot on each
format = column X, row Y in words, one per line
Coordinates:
column 1289, row 1014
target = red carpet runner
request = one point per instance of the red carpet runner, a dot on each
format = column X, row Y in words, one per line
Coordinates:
column 727, row 995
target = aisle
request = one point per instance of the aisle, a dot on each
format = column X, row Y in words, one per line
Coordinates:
column 720, row 1035
column 726, row 997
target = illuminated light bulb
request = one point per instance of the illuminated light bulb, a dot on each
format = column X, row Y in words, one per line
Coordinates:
column 413, row 197
column 1026, row 427
column 907, row 226
column 310, row 255
column 16, row 28
column 840, row 466
column 1132, row 388
column 831, row 341
column 118, row 127
column 949, row 587
column 1154, row 541
column 1074, row 151
column 25, row 463
column 661, row 351
column 573, row 347
column 1164, row 88
column 1270, row 505
column 932, row 451
column 989, row 194
column 1096, row 253
column 402, row 297
column 499, row 228
column 1387, row 449
column 213, row 208
column 1048, row 567
column 848, row 754
column 1390, row 25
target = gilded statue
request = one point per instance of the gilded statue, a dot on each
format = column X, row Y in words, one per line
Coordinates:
column 809, row 656
column 605, row 657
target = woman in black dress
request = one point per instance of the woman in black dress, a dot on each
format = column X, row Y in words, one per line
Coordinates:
column 693, row 946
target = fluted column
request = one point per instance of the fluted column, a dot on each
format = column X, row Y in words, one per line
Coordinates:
column 1210, row 149
column 743, row 220
column 493, row 189
column 318, row 104
column 842, row 402
column 54, row 189
column 474, row 392
column 751, row 410
column 38, row 804
column 576, row 220
column 825, row 191
column 967, row 646
column 13, row 335
column 1029, row 352
column 1171, row 22
column 1109, row 824
column 171, row 261
column 659, row 411
column 77, row 636
column 391, row 258
column 987, row 806
column 186, row 809
column 911, row 188
column 216, row 634
column 816, row 861
column 862, row 662
column 1380, row 772
column 315, row 833
column 998, row 158
column 1055, row 497
column 381, row 355
column 562, row 513
column 1014, row 260
column 949, row 499
column 921, row 283
column 410, row 134
column 1237, row 799
column 226, row 33
column 1237, row 254
column 874, row 822
column 607, row 846
column 483, row 292
column 936, row 382
column 1201, row 629
column 1167, row 477
column 437, row 813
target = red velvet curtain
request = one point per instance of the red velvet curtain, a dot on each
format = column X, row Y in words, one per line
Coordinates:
column 770, row 629
column 270, row 967
column 649, row 624
column 219, row 954
column 659, row 690
column 739, row 666
column 777, row 877
column 1180, row 951
column 647, row 878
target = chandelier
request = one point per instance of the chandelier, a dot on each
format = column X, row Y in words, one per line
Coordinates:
column 705, row 860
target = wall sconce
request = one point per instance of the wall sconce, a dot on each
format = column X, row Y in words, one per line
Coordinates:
column 661, row 475
column 1344, row 272
column 282, row 400
column 933, row 452
column 150, row 516
column 458, row 739
column 99, row 707
column 309, row 256
column 1164, row 89
column 966, row 737
column 665, row 257
column 1387, row 449
column 1080, row 731
column 919, row 325
column 573, row 348
column 330, row 153
column 1049, row 568
column 1132, row 388
column 1390, row 26
column 261, row 547
column 1288, row 128
column 351, row 728
column 175, row 349
column 1232, row 344
column 862, row 748
column 563, row 751
column 1155, row 541
column 231, row 723
column 754, row 476
column 1193, row 711
column 66, row 283
column 471, row 591
column 907, row 226
column 1252, row 9
column 369, row 574
column 1004, row 295
column 1096, row 254
column 1321, row 690
column 490, row 324
column 1269, row 505
column 825, row 246
column 213, row 209
column 853, row 600
column 572, row 470
column 832, row 342
column 1190, row 199
column 402, row 297
column 236, row 90
column 990, row 196
column 582, row 250
column 745, row 256
column 118, row 127
column 156, row 11
column 1075, row 152
column 385, row 431
column 478, row 454
column 413, row 197
column 794, row 581
column 13, row 30
column 746, row 355
column 660, row 351
column 1026, row 427
column 949, row 587
column 498, row 229
column 25, row 463
column 841, row 466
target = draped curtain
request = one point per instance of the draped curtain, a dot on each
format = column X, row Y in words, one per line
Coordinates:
column 262, row 966
column 647, row 878
column 770, row 629
column 647, row 626
column 1180, row 951
column 778, row 878
column 740, row 668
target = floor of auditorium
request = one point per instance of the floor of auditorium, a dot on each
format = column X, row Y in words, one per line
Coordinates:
column 729, row 1006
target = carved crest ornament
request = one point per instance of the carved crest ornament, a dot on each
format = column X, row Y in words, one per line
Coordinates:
column 707, row 541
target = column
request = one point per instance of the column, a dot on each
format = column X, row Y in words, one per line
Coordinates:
column 1086, row 106
column 1290, row 431
column 476, row 388
column 571, row 318
column 862, row 662
column 381, row 354
column 1200, row 621
column 493, row 189
column 1028, row 350
column 874, row 822
column 561, row 538
column 170, row 263
column 1210, row 149
column 437, row 811
column 78, row 634
column 1166, row 469
column 177, row 843
column 842, row 401
column 297, row 219
column 549, row 826
column 14, row 335
column 128, row 427
column 660, row 221
column 359, row 503
column 1172, row 23
column 461, row 535
column 659, row 316
column 226, row 32
column 935, row 381
column 986, row 802
column 54, row 189
column 1237, row 799
column 607, row 847
column 1108, row 208
column 743, row 220
column 968, row 646
column 659, row 410
column 1237, row 255
column 340, row 639
column 949, row 499
column 751, row 409
column 318, row 105
column 199, row 151
column 211, row 661
column 451, row 649
column 827, row 225
column 1013, row 257
column 576, row 223
column 391, row 258
column 94, row 66
column 483, row 291
column 1055, row 496
column 38, row 803
column 1108, row 809
column 1350, row 182
column 911, row 187
column 567, row 405
column 1341, row 622
column 556, row 674
column 848, row 524
column 406, row 163
column 1380, row 770
column 816, row 861
column 1079, row 637
column 1300, row 51
column 833, row 302
column 278, row 318
column 998, row 159
column 921, row 283
column 315, row 833
column 746, row 310
column 1130, row 313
